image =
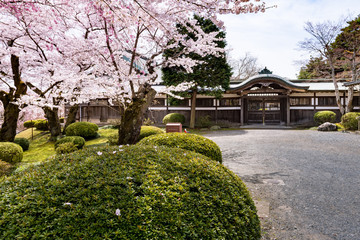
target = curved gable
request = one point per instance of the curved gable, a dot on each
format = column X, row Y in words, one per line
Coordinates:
column 267, row 83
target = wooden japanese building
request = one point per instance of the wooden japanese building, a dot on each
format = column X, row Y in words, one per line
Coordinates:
column 262, row 99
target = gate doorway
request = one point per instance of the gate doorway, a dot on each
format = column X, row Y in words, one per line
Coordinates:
column 263, row 111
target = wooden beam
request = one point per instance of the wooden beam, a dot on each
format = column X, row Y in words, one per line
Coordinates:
column 288, row 111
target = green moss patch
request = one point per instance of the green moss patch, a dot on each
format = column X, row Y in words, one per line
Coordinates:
column 129, row 193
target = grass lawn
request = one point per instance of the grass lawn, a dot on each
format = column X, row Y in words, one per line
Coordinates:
column 40, row 148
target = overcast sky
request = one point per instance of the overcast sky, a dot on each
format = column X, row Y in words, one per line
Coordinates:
column 273, row 36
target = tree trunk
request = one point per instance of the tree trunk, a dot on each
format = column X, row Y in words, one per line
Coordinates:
column 71, row 117
column 11, row 111
column 54, row 122
column 8, row 128
column 193, row 109
column 133, row 116
column 337, row 92
column 349, row 102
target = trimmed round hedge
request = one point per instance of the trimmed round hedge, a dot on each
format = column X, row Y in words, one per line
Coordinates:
column 324, row 116
column 10, row 152
column 23, row 142
column 186, row 141
column 174, row 118
column 149, row 130
column 134, row 192
column 41, row 124
column 79, row 142
column 86, row 130
column 349, row 120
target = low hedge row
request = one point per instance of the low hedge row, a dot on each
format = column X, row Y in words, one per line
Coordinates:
column 136, row 192
column 186, row 141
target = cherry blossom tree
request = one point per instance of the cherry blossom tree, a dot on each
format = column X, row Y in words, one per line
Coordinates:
column 111, row 48
column 124, row 42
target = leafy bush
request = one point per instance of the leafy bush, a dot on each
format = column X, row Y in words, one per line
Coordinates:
column 131, row 193
column 23, row 142
column 41, row 124
column 10, row 152
column 62, row 120
column 113, row 138
column 86, row 130
column 204, row 122
column 148, row 131
column 174, row 118
column 144, row 132
column 78, row 142
column 66, row 147
column 324, row 116
column 5, row 168
column 186, row 141
column 29, row 124
column 349, row 120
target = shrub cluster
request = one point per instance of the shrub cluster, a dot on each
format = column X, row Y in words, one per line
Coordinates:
column 324, row 116
column 10, row 152
column 129, row 193
column 66, row 147
column 174, row 118
column 86, row 130
column 77, row 141
column 349, row 120
column 23, row 142
column 144, row 132
column 41, row 124
column 186, row 141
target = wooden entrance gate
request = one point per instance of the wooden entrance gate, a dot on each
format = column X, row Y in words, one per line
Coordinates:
column 264, row 111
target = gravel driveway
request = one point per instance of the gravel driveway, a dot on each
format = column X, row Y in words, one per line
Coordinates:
column 306, row 183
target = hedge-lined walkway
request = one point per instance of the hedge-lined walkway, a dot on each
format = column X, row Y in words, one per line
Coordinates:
column 311, row 179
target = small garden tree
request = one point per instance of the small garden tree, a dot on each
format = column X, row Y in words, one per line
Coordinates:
column 210, row 76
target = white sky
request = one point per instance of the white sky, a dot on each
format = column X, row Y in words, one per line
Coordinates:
column 273, row 36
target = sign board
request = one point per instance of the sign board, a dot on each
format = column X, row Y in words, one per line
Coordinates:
column 173, row 127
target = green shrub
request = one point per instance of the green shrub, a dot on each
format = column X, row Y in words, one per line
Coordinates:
column 204, row 122
column 144, row 132
column 148, row 131
column 86, row 130
column 324, row 116
column 186, row 141
column 135, row 193
column 62, row 120
column 5, row 168
column 113, row 138
column 29, row 124
column 349, row 120
column 174, row 118
column 41, row 124
column 10, row 152
column 23, row 142
column 79, row 142
column 66, row 147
